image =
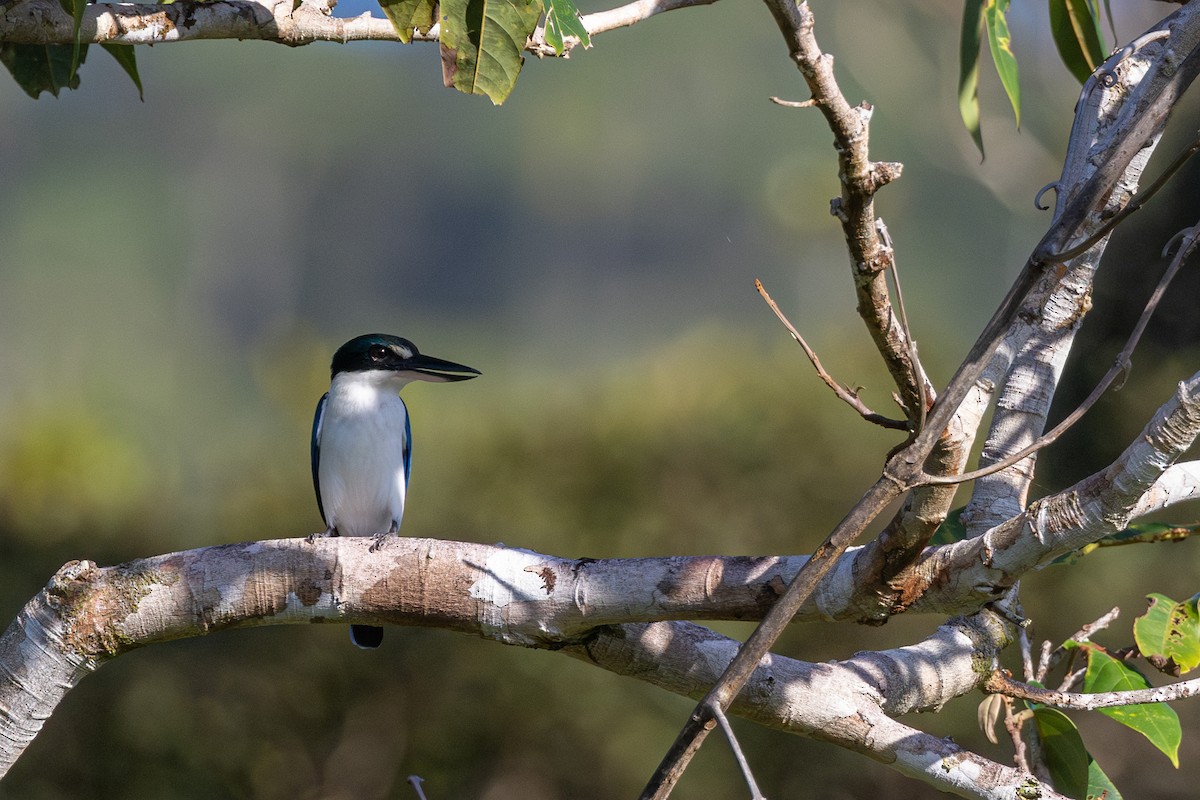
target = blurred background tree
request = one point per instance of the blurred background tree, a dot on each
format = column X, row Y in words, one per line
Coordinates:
column 175, row 274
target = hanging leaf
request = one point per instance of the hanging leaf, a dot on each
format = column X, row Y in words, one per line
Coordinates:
column 562, row 20
column 969, row 43
column 1170, row 630
column 41, row 68
column 410, row 15
column 1000, row 43
column 1158, row 722
column 1075, row 26
column 75, row 8
column 481, row 44
column 1065, row 756
column 127, row 58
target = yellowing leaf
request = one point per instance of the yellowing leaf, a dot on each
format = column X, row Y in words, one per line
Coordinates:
column 1170, row 630
column 1000, row 43
column 409, row 15
column 481, row 43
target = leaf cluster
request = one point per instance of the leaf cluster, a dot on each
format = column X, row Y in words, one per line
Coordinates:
column 481, row 42
column 50, row 68
column 1074, row 24
column 1167, row 636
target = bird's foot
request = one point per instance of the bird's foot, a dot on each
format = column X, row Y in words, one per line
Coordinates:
column 330, row 531
column 380, row 539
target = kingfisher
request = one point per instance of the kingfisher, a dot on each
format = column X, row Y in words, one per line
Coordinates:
column 362, row 441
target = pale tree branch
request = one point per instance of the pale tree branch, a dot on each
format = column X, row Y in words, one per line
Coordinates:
column 281, row 21
column 612, row 19
column 839, row 701
column 1179, row 484
column 1110, row 103
column 45, row 22
column 88, row 616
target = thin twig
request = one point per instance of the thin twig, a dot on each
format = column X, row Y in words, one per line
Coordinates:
column 1050, row 660
column 415, row 781
column 1013, row 721
column 848, row 396
column 1027, row 668
column 1037, row 198
column 1044, row 661
column 1176, row 534
column 883, row 492
column 1001, row 683
column 779, row 101
column 743, row 764
column 918, row 377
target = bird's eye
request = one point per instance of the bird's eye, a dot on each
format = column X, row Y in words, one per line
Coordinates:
column 378, row 352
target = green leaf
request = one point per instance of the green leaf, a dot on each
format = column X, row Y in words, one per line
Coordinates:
column 1156, row 721
column 1170, row 630
column 75, row 8
column 951, row 530
column 41, row 68
column 1000, row 43
column 562, row 20
column 409, row 15
column 127, row 58
column 1099, row 785
column 482, row 42
column 1065, row 756
column 1075, row 25
column 969, row 43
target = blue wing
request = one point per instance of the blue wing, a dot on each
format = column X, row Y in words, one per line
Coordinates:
column 316, row 452
column 407, row 447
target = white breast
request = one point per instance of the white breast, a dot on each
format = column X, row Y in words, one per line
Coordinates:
column 363, row 439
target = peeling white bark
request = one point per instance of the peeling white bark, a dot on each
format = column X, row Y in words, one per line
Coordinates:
column 1041, row 338
column 850, row 703
column 88, row 615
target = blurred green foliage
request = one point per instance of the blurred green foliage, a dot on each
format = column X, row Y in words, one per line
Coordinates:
column 176, row 274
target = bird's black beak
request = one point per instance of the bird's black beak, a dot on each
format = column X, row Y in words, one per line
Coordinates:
column 437, row 370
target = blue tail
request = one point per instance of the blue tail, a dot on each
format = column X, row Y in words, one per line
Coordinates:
column 368, row 637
